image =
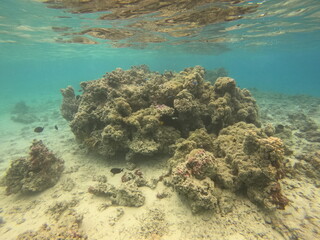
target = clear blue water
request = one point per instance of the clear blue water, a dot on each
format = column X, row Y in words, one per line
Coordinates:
column 275, row 48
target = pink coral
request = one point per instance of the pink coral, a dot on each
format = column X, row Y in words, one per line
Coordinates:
column 198, row 162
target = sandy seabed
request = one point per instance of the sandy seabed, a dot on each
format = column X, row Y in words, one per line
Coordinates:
column 159, row 218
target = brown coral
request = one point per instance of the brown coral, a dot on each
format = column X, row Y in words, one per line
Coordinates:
column 39, row 171
column 70, row 103
column 140, row 113
column 242, row 158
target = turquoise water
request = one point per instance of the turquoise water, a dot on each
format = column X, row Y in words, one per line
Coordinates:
column 276, row 48
column 267, row 46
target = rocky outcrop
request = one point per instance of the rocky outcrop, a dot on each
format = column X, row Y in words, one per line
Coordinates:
column 35, row 173
column 138, row 113
column 241, row 159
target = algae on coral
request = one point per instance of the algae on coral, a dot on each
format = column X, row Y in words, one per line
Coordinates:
column 139, row 113
column 242, row 158
column 211, row 132
column 39, row 171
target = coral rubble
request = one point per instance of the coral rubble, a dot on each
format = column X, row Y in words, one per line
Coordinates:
column 35, row 173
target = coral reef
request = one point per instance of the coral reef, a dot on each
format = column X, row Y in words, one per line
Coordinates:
column 70, row 103
column 138, row 113
column 242, row 158
column 35, row 173
column 212, row 133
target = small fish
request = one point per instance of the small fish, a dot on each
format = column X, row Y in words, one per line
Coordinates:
column 116, row 170
column 38, row 129
column 56, row 127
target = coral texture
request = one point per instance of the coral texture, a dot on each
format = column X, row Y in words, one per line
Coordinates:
column 67, row 227
column 211, row 131
column 39, row 171
column 70, row 103
column 242, row 158
column 139, row 113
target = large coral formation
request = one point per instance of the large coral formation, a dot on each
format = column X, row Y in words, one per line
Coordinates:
column 141, row 113
column 242, row 158
column 35, row 173
column 211, row 132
